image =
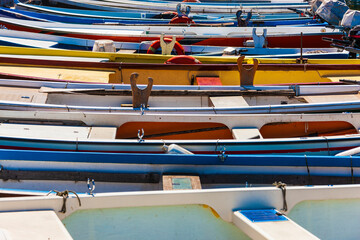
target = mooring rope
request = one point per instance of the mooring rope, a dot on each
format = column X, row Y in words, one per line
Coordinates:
column 65, row 195
column 282, row 186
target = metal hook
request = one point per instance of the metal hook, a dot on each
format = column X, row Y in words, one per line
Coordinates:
column 140, row 136
column 91, row 185
column 222, row 154
column 142, row 109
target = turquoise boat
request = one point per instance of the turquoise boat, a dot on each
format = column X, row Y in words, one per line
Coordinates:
column 309, row 212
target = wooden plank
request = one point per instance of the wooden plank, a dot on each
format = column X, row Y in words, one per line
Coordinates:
column 32, row 225
column 62, row 73
column 246, row 133
column 178, row 182
column 228, row 101
column 332, row 98
column 102, row 133
column 44, row 131
column 22, row 95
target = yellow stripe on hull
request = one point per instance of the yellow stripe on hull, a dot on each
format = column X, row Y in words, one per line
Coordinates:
column 154, row 58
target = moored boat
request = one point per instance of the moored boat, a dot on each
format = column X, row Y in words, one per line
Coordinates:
column 215, row 100
column 231, row 213
column 312, row 134
column 285, row 37
column 95, row 67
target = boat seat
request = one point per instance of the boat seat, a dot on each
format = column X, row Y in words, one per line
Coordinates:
column 246, row 133
column 32, row 225
column 332, row 98
column 22, row 95
column 85, row 75
column 56, row 132
column 269, row 224
column 205, row 81
column 102, row 133
column 176, row 182
column 228, row 101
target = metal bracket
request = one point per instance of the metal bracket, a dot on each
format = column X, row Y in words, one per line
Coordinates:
column 259, row 41
column 140, row 96
column 247, row 75
column 91, row 186
column 243, row 22
column 166, row 48
column 222, row 154
column 140, row 136
column 182, row 12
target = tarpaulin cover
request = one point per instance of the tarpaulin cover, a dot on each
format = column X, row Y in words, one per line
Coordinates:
column 332, row 11
column 351, row 19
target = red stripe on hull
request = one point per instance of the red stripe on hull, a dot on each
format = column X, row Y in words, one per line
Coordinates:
column 293, row 41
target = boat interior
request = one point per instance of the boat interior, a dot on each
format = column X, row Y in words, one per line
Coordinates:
column 167, row 98
column 178, row 131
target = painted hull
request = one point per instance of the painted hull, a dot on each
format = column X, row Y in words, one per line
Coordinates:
column 208, row 133
column 324, row 107
column 96, row 70
column 312, row 146
column 205, row 213
column 118, row 14
column 161, row 6
column 41, row 171
column 36, row 40
column 202, row 165
column 132, row 34
column 27, row 15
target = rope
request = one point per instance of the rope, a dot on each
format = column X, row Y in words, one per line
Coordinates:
column 327, row 144
column 282, row 186
column 65, row 195
column 352, row 170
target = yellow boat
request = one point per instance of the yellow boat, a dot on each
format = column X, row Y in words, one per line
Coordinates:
column 117, row 68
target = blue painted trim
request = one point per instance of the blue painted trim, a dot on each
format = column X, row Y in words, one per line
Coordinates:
column 174, row 159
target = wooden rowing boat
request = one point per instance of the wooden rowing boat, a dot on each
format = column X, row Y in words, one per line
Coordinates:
column 216, row 101
column 163, row 6
column 38, row 40
column 140, row 15
column 147, row 170
column 311, row 134
column 233, row 213
column 269, row 71
column 220, row 36
column 28, row 15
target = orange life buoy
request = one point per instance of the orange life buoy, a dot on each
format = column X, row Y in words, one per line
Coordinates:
column 182, row 59
column 155, row 45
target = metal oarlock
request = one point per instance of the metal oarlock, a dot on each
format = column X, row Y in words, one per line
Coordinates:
column 141, row 135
